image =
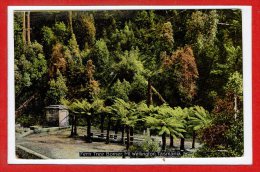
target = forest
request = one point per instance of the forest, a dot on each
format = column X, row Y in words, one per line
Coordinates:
column 176, row 72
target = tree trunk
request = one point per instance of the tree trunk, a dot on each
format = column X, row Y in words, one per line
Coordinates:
column 148, row 132
column 182, row 144
column 25, row 104
column 70, row 22
column 75, row 126
column 235, row 107
column 193, row 139
column 131, row 135
column 164, row 141
column 158, row 94
column 149, row 92
column 127, row 137
column 123, row 135
column 116, row 129
column 108, row 128
column 89, row 139
column 102, row 125
column 24, row 29
column 72, row 126
column 28, row 29
column 171, row 141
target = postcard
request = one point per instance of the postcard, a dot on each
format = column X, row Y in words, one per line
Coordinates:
column 129, row 85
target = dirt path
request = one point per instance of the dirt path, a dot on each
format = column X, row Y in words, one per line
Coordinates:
column 58, row 144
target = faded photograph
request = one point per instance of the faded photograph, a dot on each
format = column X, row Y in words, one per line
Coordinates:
column 128, row 84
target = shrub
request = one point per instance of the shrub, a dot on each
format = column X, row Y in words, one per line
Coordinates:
column 220, row 151
column 148, row 145
column 27, row 120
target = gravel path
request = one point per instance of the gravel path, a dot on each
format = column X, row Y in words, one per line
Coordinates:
column 58, row 144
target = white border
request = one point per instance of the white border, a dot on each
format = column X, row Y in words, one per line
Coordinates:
column 247, row 91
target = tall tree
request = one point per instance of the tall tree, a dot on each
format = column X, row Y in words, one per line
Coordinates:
column 28, row 28
column 58, row 62
column 235, row 87
column 92, row 85
column 181, row 71
column 198, row 119
column 24, row 29
column 84, row 25
column 57, row 89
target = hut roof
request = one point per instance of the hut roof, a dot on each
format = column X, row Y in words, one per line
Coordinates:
column 60, row 107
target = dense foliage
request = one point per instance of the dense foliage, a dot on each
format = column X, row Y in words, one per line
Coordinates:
column 109, row 63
